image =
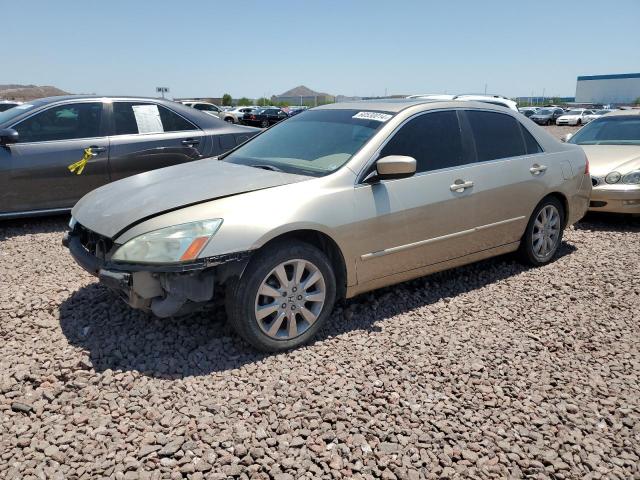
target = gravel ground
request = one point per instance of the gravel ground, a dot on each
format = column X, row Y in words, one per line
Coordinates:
column 492, row 370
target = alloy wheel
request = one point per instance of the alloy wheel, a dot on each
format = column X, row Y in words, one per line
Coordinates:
column 546, row 232
column 290, row 299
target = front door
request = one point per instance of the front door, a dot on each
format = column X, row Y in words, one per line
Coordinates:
column 147, row 136
column 420, row 220
column 36, row 168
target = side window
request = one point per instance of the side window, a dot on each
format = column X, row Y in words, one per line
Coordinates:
column 433, row 139
column 496, row 135
column 64, row 122
column 136, row 117
column 530, row 143
column 172, row 122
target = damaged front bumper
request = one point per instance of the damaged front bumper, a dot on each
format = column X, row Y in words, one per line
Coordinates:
column 165, row 290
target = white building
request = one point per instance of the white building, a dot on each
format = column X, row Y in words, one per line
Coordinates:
column 608, row 89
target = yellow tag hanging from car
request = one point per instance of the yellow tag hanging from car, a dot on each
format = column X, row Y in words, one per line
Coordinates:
column 78, row 167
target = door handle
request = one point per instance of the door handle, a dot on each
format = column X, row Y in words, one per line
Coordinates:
column 96, row 149
column 190, row 142
column 537, row 169
column 460, row 186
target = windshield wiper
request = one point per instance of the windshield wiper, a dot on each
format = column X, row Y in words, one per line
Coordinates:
column 268, row 167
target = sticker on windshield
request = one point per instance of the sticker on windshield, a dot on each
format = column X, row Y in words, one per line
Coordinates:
column 377, row 116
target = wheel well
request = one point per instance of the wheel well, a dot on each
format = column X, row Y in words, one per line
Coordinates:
column 564, row 202
column 327, row 245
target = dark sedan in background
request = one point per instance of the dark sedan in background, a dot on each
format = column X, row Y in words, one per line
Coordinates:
column 264, row 117
column 39, row 140
column 547, row 116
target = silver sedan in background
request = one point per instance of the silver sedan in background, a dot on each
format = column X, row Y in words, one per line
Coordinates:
column 341, row 200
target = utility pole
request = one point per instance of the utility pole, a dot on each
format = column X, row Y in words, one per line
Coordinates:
column 485, row 88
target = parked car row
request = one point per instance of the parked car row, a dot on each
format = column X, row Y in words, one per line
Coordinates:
column 262, row 116
column 168, row 239
column 560, row 116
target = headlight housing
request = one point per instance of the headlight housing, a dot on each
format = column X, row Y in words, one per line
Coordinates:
column 179, row 243
column 632, row 178
column 613, row 177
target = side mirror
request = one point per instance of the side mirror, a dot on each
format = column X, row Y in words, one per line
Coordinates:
column 8, row 135
column 395, row 166
column 567, row 137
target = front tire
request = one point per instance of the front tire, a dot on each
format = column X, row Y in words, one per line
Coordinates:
column 543, row 235
column 264, row 124
column 229, row 119
column 283, row 298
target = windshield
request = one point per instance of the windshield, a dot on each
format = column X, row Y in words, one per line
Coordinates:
column 314, row 143
column 544, row 111
column 12, row 113
column 574, row 112
column 610, row 130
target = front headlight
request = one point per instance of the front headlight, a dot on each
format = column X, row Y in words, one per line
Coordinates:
column 613, row 177
column 632, row 178
column 179, row 243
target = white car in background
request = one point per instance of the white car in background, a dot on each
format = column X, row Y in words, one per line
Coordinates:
column 235, row 114
column 205, row 107
column 7, row 104
column 573, row 117
column 492, row 99
column 595, row 115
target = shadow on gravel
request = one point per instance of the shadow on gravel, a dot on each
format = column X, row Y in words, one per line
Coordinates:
column 25, row 226
column 609, row 222
column 120, row 338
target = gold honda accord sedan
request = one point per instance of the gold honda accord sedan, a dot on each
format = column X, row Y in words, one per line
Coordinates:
column 333, row 202
column 612, row 145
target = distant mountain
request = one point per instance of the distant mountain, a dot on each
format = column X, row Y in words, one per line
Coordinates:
column 28, row 92
column 302, row 91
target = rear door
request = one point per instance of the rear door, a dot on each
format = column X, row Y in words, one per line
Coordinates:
column 146, row 136
column 509, row 176
column 49, row 141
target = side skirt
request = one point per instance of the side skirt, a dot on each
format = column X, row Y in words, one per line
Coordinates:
column 429, row 269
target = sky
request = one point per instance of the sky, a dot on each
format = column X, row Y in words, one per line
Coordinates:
column 258, row 48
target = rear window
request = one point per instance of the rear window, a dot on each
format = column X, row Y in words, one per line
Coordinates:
column 496, row 135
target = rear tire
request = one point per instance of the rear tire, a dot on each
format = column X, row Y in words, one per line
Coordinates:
column 543, row 236
column 229, row 119
column 283, row 298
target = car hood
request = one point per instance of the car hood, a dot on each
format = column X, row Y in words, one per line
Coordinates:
column 604, row 159
column 113, row 208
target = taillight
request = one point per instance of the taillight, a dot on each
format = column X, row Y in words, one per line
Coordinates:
column 253, row 117
column 586, row 166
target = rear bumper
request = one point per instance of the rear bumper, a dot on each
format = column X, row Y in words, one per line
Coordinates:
column 615, row 200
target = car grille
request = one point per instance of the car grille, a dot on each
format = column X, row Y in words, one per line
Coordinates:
column 96, row 244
